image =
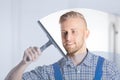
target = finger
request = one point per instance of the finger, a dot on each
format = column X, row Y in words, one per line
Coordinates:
column 37, row 50
column 32, row 53
column 27, row 56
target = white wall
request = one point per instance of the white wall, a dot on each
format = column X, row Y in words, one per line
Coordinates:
column 110, row 6
column 5, row 37
column 19, row 28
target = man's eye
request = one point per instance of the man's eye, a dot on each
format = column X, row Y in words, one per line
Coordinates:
column 64, row 33
column 73, row 31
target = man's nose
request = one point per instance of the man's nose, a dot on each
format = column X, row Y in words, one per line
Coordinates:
column 68, row 37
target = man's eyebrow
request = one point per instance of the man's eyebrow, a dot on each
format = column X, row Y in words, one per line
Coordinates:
column 73, row 28
column 70, row 29
column 63, row 30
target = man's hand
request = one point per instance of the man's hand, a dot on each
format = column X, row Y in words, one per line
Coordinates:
column 31, row 54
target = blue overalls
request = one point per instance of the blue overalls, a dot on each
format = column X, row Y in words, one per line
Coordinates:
column 98, row 71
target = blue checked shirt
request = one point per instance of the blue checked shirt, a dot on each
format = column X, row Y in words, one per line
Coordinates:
column 84, row 71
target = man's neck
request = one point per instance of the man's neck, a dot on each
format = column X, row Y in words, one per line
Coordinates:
column 78, row 58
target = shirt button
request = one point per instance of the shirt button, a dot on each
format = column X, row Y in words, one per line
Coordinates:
column 78, row 70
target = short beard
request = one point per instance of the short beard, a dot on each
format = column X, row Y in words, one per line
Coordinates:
column 71, row 53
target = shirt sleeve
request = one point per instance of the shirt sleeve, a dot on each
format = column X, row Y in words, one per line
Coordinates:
column 39, row 73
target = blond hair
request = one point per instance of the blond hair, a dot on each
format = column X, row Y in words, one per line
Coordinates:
column 71, row 14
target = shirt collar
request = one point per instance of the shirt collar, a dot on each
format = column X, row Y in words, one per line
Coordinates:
column 88, row 60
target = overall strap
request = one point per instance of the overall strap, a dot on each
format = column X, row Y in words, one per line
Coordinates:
column 98, row 71
column 57, row 72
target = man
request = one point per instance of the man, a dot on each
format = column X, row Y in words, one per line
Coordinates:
column 79, row 63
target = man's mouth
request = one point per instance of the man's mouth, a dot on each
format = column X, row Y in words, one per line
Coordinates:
column 69, row 44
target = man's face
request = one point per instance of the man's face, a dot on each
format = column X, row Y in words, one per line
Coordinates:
column 74, row 33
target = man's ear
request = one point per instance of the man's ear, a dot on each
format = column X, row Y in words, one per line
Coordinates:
column 87, row 33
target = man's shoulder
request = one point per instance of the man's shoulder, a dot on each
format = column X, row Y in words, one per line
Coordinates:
column 98, row 55
column 108, row 64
